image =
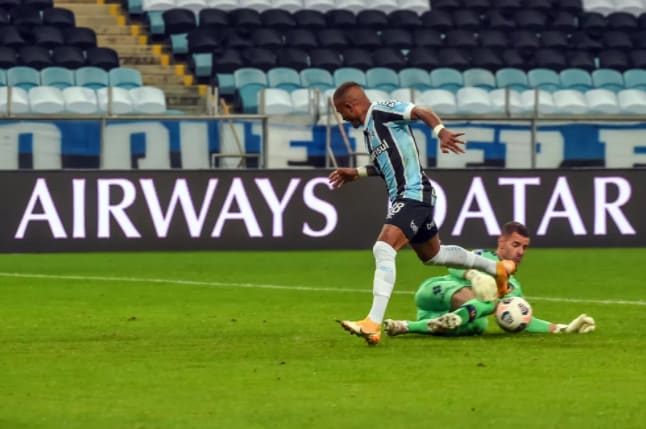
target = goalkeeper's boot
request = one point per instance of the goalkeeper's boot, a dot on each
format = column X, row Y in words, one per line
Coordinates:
column 366, row 329
column 446, row 322
column 395, row 327
column 504, row 269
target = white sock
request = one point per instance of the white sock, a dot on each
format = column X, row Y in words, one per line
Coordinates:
column 458, row 257
column 384, row 280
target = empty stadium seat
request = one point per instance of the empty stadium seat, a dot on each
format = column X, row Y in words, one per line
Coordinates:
column 23, row 77
column 148, row 100
column 37, row 57
column 317, row 78
column 570, row 102
column 404, row 94
column 512, row 78
column 319, row 5
column 418, row 6
column 382, row 78
column 294, row 58
column 47, row 36
column 349, row 74
column 59, row 17
column 472, row 100
column 115, row 101
column 58, row 77
column 632, row 101
column 576, row 79
column 442, row 101
column 608, row 79
column 376, row 95
column 358, row 58
column 283, row 78
column 248, row 82
column 92, row 77
column 125, row 77
column 70, row 57
column 505, row 101
column 545, row 79
column 80, row 100
column 545, row 103
column 327, row 59
column 602, row 101
column 423, row 58
column 480, row 78
column 447, row 78
column 19, row 100
column 157, row 5
column 80, row 37
column 635, row 79
column 46, row 100
column 105, row 58
column 192, row 5
column 288, row 5
column 302, row 101
column 8, row 57
column 415, row 78
column 178, row 20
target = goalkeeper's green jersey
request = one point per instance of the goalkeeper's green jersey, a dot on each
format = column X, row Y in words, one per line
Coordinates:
column 536, row 325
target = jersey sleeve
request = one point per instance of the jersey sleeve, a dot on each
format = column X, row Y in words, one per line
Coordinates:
column 538, row 326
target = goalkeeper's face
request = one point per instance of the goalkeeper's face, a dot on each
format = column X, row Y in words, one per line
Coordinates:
column 513, row 247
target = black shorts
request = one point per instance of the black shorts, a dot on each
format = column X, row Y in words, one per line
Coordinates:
column 413, row 217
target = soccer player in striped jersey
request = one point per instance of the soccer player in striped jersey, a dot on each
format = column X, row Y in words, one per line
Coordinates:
column 395, row 157
column 458, row 304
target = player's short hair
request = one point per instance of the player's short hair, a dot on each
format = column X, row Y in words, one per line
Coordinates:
column 343, row 89
column 515, row 227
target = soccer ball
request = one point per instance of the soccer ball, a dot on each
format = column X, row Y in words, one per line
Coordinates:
column 513, row 314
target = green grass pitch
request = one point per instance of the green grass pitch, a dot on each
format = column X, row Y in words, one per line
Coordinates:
column 248, row 340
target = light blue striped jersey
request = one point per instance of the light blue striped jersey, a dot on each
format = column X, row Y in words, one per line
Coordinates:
column 393, row 151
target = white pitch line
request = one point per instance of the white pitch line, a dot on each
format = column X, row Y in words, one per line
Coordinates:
column 280, row 287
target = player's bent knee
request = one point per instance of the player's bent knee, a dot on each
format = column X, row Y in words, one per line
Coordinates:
column 383, row 251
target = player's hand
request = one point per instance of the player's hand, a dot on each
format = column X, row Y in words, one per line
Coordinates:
column 450, row 141
column 581, row 325
column 342, row 175
column 483, row 285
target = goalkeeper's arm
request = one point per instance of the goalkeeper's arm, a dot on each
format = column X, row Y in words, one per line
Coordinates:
column 581, row 325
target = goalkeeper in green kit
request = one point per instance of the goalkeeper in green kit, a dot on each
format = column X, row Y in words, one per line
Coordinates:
column 458, row 304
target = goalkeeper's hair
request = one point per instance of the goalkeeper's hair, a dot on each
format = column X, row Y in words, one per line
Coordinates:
column 510, row 227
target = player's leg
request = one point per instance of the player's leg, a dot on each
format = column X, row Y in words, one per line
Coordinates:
column 466, row 308
column 391, row 239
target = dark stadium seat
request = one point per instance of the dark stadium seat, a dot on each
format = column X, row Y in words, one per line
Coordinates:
column 9, row 4
column 638, row 59
column 260, row 58
column 301, row 38
column 621, row 21
column 467, row 19
column 403, row 18
column 508, row 6
column 105, row 58
column 25, row 17
column 5, row 19
column 372, row 18
column 340, row 18
column 440, row 20
column 204, row 40
column 37, row 57
column 494, row 39
column 480, row 6
column 571, row 6
column 39, row 4
column 540, row 5
column 310, row 19
column 530, row 19
column 512, row 58
column 177, row 21
column 639, row 39
column 279, row 19
column 269, row 38
column 213, row 18
column 497, row 21
column 615, row 39
column 245, row 18
column 613, row 59
column 427, row 37
column 59, row 17
column 70, row 57
column 81, row 37
column 8, row 57
column 592, row 23
column 550, row 58
column 397, row 38
column 554, row 39
column 487, row 58
column 459, row 38
column 641, row 21
column 364, row 38
column 324, row 58
column 227, row 61
column 237, row 38
column 10, row 36
column 293, row 58
column 526, row 41
column 447, row 4
column 47, row 36
column 423, row 58
column 454, row 58
column 391, row 58
column 581, row 59
column 581, row 40
column 332, row 38
column 564, row 21
column 358, row 58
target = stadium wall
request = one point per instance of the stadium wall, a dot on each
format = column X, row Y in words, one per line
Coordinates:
column 78, row 211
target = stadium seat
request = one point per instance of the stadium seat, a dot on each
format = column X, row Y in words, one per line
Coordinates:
column 59, row 17
column 602, row 101
column 148, row 100
column 498, row 21
column 19, row 100
column 340, row 18
column 114, row 101
column 545, row 103
column 417, row 6
column 512, row 78
column 23, row 77
column 327, row 59
column 178, row 21
column 10, row 36
column 260, row 58
column 301, row 38
column 635, row 79
column 215, row 19
column 294, row 58
column 332, row 38
column 259, row 5
column 447, row 78
column 302, row 101
column 608, row 79
column 80, row 100
column 319, row 5
column 603, row 7
column 423, row 58
column 614, row 59
column 577, row 79
column 268, row 38
column 25, row 18
column 638, row 58
column 632, row 101
column 364, row 38
column 387, row 6
column 287, row 5
column 193, row 5
column 382, row 78
column 317, row 78
column 70, row 57
column 39, row 4
column 37, row 57
column 565, row 21
column 459, row 38
column 125, row 77
column 570, row 102
column 615, row 39
column 46, row 100
column 554, row 39
column 487, row 58
column 472, row 100
column 480, row 78
column 92, row 77
column 57, row 77
column 404, row 94
column 622, row 21
column 496, row 39
column 513, row 59
column 8, row 57
column 358, row 58
column 405, row 19
column 416, row 78
column 311, row 19
column 545, row 79
column 47, row 36
column 454, row 58
column 284, row 78
column 550, row 59
column 437, row 19
column 349, row 74
column 203, row 40
column 80, row 37
column 244, row 18
column 399, row 38
column 505, row 101
column 441, row 101
column 157, row 5
column 372, row 18
column 531, row 19
column 389, row 58
column 428, row 38
column 581, row 59
column 376, row 95
column 467, row 19
column 105, row 58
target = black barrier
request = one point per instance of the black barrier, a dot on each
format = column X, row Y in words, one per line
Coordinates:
column 73, row 211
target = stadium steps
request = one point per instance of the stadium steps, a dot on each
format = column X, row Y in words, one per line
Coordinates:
column 130, row 40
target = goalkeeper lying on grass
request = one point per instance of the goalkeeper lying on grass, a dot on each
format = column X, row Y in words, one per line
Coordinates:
column 458, row 304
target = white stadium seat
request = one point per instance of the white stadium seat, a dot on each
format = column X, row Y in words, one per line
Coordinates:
column 569, row 102
column 121, row 100
column 632, row 101
column 148, row 100
column 419, row 6
column 194, row 5
column 19, row 100
column 441, row 101
column 602, row 101
column 471, row 99
column 603, row 7
column 157, row 5
column 275, row 101
column 385, row 5
column 404, row 94
column 634, row 7
column 301, row 100
column 288, row 5
column 545, row 101
column 258, row 5
column 80, row 100
column 377, row 95
column 351, row 5
column 320, row 5
column 223, row 4
column 46, row 100
column 498, row 101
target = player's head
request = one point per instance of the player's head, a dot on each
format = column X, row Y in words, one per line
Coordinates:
column 513, row 242
column 352, row 103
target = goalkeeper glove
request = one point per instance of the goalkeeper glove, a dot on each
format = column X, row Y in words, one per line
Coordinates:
column 581, row 325
column 483, row 286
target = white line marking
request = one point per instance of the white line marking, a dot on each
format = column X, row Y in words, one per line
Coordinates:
column 280, row 287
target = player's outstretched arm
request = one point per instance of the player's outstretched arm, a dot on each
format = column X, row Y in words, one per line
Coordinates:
column 450, row 141
column 343, row 175
column 581, row 325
